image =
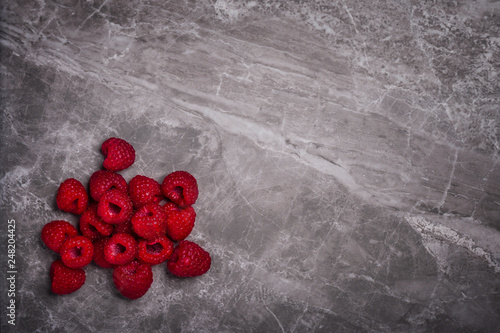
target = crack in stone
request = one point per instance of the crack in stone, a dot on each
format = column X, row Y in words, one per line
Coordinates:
column 444, row 233
column 448, row 186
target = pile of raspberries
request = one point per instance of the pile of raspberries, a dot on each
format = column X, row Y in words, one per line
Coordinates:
column 124, row 227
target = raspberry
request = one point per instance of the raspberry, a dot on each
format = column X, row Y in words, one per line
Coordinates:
column 155, row 252
column 181, row 188
column 77, row 252
column 149, row 221
column 102, row 181
column 120, row 249
column 55, row 233
column 118, row 153
column 133, row 280
column 99, row 253
column 65, row 280
column 115, row 207
column 144, row 190
column 180, row 222
column 72, row 196
column 189, row 260
column 92, row 226
column 124, row 228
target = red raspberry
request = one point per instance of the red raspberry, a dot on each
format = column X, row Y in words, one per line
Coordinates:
column 180, row 222
column 118, row 153
column 65, row 280
column 144, row 190
column 99, row 253
column 120, row 249
column 124, row 228
column 115, row 207
column 55, row 233
column 155, row 252
column 133, row 280
column 77, row 252
column 72, row 197
column 181, row 188
column 189, row 260
column 102, row 181
column 92, row 226
column 149, row 221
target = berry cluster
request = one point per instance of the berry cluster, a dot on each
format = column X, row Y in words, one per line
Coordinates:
column 125, row 227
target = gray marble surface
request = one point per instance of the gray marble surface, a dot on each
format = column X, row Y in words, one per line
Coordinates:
column 347, row 154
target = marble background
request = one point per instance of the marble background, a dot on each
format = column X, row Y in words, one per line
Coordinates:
column 347, row 154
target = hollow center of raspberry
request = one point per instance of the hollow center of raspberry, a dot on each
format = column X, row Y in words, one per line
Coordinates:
column 76, row 252
column 120, row 248
column 155, row 248
column 114, row 209
column 179, row 191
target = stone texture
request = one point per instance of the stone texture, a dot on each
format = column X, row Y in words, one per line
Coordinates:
column 347, row 155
